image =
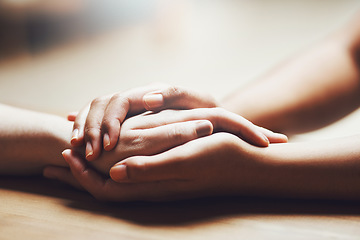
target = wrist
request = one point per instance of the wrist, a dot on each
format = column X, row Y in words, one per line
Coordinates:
column 31, row 140
column 325, row 169
column 57, row 135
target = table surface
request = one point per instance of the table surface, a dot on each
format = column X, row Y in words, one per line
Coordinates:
column 207, row 45
column 38, row 209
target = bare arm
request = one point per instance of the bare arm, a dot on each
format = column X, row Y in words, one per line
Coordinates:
column 31, row 140
column 322, row 169
column 308, row 91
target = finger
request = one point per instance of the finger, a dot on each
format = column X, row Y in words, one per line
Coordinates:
column 181, row 163
column 274, row 137
column 77, row 138
column 101, row 188
column 92, row 129
column 132, row 102
column 63, row 174
column 72, row 116
column 86, row 123
column 88, row 178
column 177, row 98
column 147, row 169
column 114, row 115
column 222, row 120
column 120, row 106
column 108, row 190
column 162, row 138
column 226, row 121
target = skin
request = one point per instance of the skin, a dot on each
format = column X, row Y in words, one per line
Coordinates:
column 307, row 92
column 153, row 133
column 222, row 164
column 29, row 141
column 32, row 140
column 99, row 123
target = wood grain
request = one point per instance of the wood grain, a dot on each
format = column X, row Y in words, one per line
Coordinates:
column 35, row 208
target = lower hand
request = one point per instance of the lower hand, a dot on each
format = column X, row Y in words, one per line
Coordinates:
column 220, row 164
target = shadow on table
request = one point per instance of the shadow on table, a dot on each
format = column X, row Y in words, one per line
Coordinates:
column 181, row 212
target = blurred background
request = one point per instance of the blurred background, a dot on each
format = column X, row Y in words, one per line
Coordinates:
column 57, row 55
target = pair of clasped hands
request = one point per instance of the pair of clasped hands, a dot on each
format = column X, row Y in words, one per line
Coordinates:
column 161, row 143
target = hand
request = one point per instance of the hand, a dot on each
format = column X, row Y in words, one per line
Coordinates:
column 152, row 133
column 220, row 164
column 99, row 122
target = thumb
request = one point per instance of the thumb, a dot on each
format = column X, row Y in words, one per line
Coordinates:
column 177, row 98
column 160, row 167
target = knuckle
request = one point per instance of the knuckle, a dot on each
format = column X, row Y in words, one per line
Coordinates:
column 176, row 135
column 97, row 101
column 120, row 98
column 135, row 145
column 106, row 123
column 177, row 92
column 92, row 132
column 133, row 140
column 109, row 123
column 229, row 141
column 137, row 168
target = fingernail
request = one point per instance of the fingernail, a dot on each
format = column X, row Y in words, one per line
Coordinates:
column 65, row 154
column 203, row 128
column 75, row 135
column 89, row 150
column 153, row 100
column 106, row 141
column 119, row 173
column 265, row 139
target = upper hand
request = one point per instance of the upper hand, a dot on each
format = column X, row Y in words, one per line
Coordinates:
column 98, row 124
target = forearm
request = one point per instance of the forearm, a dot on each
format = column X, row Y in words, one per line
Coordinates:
column 31, row 140
column 325, row 169
column 308, row 91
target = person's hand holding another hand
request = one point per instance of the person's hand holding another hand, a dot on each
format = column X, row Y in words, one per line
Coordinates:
column 99, row 123
column 153, row 133
column 219, row 164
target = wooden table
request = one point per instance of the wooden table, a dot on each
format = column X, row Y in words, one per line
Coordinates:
column 35, row 208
